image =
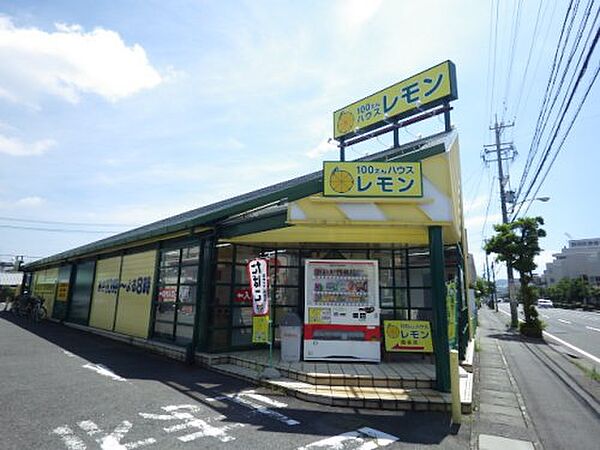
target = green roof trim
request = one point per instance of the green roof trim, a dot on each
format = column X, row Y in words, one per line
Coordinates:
column 210, row 215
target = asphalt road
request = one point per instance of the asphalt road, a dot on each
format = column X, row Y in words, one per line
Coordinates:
column 66, row 389
column 581, row 329
column 563, row 415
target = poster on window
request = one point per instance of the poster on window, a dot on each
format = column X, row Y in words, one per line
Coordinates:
column 258, row 274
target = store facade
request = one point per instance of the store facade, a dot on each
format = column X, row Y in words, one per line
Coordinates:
column 184, row 280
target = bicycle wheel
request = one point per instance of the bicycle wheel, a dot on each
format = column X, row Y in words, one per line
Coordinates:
column 42, row 313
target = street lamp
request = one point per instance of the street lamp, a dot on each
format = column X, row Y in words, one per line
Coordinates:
column 540, row 199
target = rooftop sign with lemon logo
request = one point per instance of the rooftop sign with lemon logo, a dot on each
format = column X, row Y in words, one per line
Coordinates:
column 420, row 92
column 372, row 179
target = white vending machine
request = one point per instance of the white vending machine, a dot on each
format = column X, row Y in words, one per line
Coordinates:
column 341, row 314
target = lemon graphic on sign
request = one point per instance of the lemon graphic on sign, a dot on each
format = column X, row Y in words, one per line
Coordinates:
column 341, row 181
column 393, row 331
column 345, row 122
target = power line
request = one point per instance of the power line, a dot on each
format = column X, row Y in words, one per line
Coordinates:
column 53, row 222
column 559, row 121
column 59, row 230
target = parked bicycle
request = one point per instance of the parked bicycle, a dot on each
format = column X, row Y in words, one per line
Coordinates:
column 31, row 306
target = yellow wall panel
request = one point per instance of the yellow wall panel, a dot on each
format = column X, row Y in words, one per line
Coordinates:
column 104, row 297
column 135, row 294
column 45, row 286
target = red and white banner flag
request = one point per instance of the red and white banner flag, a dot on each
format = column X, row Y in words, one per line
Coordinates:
column 258, row 274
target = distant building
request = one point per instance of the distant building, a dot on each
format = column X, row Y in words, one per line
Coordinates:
column 580, row 259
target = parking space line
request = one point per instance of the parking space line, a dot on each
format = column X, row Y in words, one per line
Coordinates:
column 592, row 328
column 564, row 321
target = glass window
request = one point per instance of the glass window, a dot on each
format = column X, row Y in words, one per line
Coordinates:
column 168, row 275
column 189, row 274
column 222, row 295
column 386, row 298
column 399, row 258
column 401, row 298
column 418, row 257
column 165, row 312
column 170, row 258
column 187, row 294
column 287, row 276
column 184, row 333
column 401, row 277
column 383, row 256
column 287, row 258
column 223, row 273
column 242, row 317
column 185, row 314
column 402, row 314
column 163, row 329
column 286, row 296
column 167, row 294
column 224, row 253
column 220, row 316
column 243, row 254
column 420, row 298
column 241, row 275
column 189, row 255
column 421, row 314
column 387, row 314
column 386, row 278
column 241, row 336
column 420, row 277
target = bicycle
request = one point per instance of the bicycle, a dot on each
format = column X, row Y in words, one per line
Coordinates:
column 38, row 310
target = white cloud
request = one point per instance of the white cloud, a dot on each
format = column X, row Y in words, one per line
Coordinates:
column 353, row 14
column 68, row 62
column 29, row 201
column 324, row 147
column 16, row 147
column 478, row 221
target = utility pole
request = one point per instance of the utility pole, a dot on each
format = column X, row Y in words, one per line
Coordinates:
column 503, row 151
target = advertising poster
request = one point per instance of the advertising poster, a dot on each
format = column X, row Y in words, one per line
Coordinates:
column 451, row 312
column 260, row 329
column 413, row 336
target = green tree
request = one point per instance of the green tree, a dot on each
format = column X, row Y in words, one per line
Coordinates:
column 517, row 243
column 482, row 288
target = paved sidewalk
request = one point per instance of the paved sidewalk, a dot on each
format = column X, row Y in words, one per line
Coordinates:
column 501, row 420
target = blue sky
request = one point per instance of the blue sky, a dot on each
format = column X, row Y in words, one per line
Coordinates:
column 122, row 113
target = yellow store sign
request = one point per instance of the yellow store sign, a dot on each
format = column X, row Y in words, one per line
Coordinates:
column 372, row 179
column 419, row 92
column 413, row 336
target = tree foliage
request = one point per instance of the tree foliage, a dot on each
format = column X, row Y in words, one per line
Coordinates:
column 517, row 243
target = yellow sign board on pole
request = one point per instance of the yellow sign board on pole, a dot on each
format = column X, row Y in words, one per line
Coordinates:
column 425, row 90
column 260, row 329
column 413, row 336
column 372, row 179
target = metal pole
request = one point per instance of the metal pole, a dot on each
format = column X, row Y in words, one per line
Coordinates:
column 342, row 151
column 514, row 318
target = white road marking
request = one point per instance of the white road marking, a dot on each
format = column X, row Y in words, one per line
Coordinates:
column 100, row 369
column 71, row 441
column 110, row 441
column 190, row 421
column 592, row 328
column 565, row 343
column 239, row 399
column 361, row 439
column 564, row 321
column 545, row 316
column 264, row 399
column 68, row 353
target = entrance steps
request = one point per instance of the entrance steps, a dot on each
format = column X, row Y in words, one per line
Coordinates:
column 391, row 386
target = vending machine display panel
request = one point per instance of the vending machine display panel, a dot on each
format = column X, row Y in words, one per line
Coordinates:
column 342, row 317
